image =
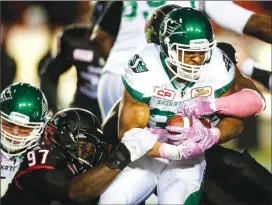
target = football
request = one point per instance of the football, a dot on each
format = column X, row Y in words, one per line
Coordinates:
column 185, row 122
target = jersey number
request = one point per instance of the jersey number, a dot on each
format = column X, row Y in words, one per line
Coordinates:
column 130, row 8
column 32, row 157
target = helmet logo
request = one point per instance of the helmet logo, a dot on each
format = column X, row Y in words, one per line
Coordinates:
column 137, row 64
column 6, row 94
column 170, row 25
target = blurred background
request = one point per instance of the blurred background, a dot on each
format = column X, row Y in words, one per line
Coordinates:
column 29, row 30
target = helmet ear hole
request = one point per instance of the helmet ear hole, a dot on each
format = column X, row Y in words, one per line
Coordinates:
column 167, row 40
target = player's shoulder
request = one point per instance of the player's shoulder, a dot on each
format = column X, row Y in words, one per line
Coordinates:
column 142, row 72
column 74, row 31
column 221, row 71
column 222, row 62
column 40, row 157
column 228, row 50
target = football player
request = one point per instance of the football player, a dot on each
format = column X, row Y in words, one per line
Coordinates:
column 242, row 169
column 130, row 37
column 75, row 48
column 74, row 162
column 158, row 80
column 23, row 114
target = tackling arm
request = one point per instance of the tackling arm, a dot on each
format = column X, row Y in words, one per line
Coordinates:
column 107, row 27
column 233, row 17
column 259, row 26
column 92, row 183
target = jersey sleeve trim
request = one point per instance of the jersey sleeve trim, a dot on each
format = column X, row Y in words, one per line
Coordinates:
column 136, row 95
column 30, row 169
column 220, row 91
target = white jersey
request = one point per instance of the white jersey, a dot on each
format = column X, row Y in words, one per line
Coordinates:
column 147, row 79
column 9, row 167
column 131, row 32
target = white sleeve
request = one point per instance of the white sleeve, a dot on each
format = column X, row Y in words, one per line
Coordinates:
column 228, row 15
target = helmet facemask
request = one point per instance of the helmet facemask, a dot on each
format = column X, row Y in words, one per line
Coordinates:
column 175, row 58
column 89, row 149
column 16, row 145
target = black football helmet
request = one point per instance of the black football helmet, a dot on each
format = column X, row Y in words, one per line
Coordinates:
column 78, row 136
column 154, row 20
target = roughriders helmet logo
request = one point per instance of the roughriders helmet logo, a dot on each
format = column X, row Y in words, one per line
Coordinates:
column 137, row 64
column 6, row 95
column 169, row 26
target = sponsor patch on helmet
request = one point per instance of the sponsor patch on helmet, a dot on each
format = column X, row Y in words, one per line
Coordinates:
column 18, row 117
column 199, row 42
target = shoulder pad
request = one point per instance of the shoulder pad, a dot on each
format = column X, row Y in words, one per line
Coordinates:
column 220, row 73
column 142, row 73
column 74, row 30
column 71, row 33
column 229, row 51
column 40, row 156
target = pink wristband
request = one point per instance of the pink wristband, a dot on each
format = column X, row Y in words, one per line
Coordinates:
column 169, row 151
column 161, row 151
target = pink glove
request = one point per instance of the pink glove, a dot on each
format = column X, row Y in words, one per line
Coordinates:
column 196, row 136
column 160, row 133
column 188, row 148
column 197, row 107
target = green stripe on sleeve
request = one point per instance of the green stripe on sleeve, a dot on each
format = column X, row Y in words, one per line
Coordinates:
column 136, row 95
column 220, row 91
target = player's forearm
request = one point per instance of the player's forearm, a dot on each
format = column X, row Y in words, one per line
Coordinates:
column 104, row 40
column 229, row 129
column 92, row 183
column 259, row 26
column 155, row 151
column 251, row 103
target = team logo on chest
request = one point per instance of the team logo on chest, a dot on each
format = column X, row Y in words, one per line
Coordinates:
column 165, row 94
column 201, row 91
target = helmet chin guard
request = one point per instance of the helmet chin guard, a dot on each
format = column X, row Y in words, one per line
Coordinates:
column 186, row 71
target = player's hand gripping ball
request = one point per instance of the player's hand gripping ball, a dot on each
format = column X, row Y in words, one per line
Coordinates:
column 182, row 128
column 185, row 122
